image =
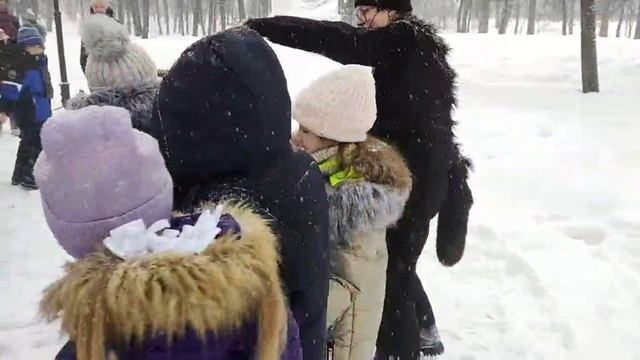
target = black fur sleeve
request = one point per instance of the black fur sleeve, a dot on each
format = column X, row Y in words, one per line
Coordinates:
column 338, row 41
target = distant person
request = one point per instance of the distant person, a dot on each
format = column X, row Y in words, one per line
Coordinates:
column 28, row 99
column 97, row 7
column 368, row 184
column 8, row 23
column 144, row 284
column 415, row 96
column 119, row 72
column 30, row 19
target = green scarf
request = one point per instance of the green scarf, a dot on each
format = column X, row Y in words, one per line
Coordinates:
column 330, row 165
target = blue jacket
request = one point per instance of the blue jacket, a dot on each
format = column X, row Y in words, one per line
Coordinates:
column 30, row 98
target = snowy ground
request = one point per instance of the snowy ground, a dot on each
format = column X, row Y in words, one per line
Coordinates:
column 552, row 269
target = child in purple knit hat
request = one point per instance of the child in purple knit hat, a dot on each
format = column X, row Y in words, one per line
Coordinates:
column 204, row 285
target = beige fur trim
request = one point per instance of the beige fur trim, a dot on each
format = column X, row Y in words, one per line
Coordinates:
column 380, row 163
column 105, row 300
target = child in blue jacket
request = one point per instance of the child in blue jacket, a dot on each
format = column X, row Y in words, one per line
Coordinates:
column 28, row 100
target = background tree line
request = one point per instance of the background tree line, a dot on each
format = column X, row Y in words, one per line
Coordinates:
column 620, row 18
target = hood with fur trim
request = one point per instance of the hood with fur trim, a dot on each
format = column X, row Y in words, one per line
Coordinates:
column 375, row 202
column 105, row 301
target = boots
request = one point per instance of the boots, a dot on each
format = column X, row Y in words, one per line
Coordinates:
column 26, row 157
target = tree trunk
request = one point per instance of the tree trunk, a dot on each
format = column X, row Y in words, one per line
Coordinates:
column 498, row 12
column 223, row 14
column 515, row 31
column 186, row 13
column 213, row 22
column 637, row 35
column 620, row 19
column 565, row 17
column 485, row 12
column 604, row 20
column 572, row 15
column 166, row 16
column 181, row 17
column 146, row 14
column 197, row 16
column 459, row 19
column 242, row 13
column 589, row 54
column 469, row 12
column 531, row 22
column 159, row 17
column 504, row 19
column 134, row 9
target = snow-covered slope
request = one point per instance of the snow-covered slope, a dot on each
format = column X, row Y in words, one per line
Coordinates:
column 552, row 269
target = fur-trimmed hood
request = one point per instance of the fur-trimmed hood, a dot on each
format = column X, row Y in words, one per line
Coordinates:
column 137, row 99
column 375, row 202
column 103, row 300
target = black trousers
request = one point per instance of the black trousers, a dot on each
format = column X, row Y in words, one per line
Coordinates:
column 28, row 151
column 406, row 308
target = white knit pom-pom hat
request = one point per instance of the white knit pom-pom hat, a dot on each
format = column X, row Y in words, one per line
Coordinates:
column 340, row 106
column 114, row 61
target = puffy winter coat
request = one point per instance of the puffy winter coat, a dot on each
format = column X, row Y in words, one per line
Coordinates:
column 138, row 100
column 223, row 121
column 362, row 206
column 415, row 97
column 224, row 303
column 29, row 97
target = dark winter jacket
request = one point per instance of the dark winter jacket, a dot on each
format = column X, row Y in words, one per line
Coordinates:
column 83, row 51
column 9, row 23
column 137, row 99
column 415, row 96
column 224, row 303
column 29, row 98
column 223, row 121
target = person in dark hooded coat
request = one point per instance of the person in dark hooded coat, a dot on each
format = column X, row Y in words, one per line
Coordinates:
column 223, row 120
column 415, row 95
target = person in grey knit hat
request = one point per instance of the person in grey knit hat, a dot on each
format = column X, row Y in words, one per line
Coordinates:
column 96, row 173
column 119, row 72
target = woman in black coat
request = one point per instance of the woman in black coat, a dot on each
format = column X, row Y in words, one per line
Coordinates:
column 223, row 120
column 415, row 96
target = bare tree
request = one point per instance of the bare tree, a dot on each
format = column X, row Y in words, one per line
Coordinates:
column 213, row 21
column 166, row 16
column 459, row 18
column 146, row 14
column 604, row 20
column 565, row 17
column 485, row 13
column 223, row 14
column 134, row 10
column 531, row 22
column 515, row 30
column 572, row 15
column 637, row 35
column 623, row 6
column 242, row 13
column 506, row 15
column 589, row 53
column 197, row 16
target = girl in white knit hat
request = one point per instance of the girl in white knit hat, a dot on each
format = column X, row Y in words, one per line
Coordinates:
column 368, row 184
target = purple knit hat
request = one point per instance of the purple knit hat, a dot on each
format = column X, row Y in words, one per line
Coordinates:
column 96, row 173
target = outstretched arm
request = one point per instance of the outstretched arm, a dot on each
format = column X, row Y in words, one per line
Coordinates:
column 338, row 41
